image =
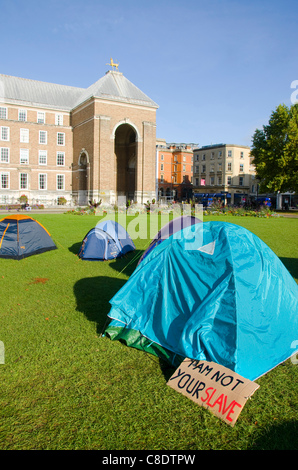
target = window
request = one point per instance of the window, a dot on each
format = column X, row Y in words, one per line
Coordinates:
column 203, row 157
column 60, row 158
column 241, row 167
column 212, row 155
column 43, row 137
column 42, row 157
column 220, row 154
column 230, row 153
column 161, row 178
column 197, row 181
column 212, row 180
column 23, row 181
column 60, row 182
column 60, row 138
column 229, row 166
column 22, row 115
column 24, row 156
column 41, row 117
column 59, row 119
column 203, row 168
column 24, row 135
column 240, row 180
column 219, row 167
column 161, row 157
column 184, row 168
column 42, row 181
column 241, row 154
column 161, row 167
column 197, row 158
column 4, row 155
column 4, row 180
column 197, row 168
column 212, row 168
column 229, row 180
column 4, row 133
column 3, row 112
column 219, row 181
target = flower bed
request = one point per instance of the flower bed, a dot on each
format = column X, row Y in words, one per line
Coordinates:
column 241, row 212
column 175, row 209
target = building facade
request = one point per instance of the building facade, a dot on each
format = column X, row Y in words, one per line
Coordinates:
column 224, row 172
column 80, row 144
column 174, row 164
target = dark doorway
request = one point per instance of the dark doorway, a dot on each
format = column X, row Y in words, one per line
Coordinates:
column 83, row 180
column 126, row 157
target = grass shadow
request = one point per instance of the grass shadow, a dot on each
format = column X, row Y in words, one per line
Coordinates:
column 127, row 263
column 93, row 295
column 292, row 266
column 75, row 248
column 282, row 436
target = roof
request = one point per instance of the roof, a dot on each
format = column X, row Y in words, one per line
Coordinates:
column 38, row 93
column 113, row 86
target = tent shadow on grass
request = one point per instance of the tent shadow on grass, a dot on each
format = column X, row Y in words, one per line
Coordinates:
column 93, row 295
column 292, row 266
column 127, row 263
column 75, row 248
column 278, row 437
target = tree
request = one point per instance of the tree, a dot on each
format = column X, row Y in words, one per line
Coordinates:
column 275, row 151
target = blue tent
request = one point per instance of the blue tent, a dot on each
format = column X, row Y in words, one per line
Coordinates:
column 108, row 240
column 21, row 236
column 169, row 229
column 217, row 293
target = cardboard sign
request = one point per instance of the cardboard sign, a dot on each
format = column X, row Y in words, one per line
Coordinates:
column 213, row 386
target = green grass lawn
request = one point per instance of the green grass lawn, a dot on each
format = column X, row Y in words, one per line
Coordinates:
column 64, row 387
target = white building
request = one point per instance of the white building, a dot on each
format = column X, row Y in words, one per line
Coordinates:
column 224, row 171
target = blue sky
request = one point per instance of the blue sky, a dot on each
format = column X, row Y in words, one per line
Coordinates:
column 216, row 68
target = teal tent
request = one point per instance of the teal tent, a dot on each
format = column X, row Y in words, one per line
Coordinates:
column 213, row 291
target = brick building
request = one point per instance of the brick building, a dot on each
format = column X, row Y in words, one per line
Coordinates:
column 82, row 144
column 174, row 170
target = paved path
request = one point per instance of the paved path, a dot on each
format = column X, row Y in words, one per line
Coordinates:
column 294, row 215
column 49, row 210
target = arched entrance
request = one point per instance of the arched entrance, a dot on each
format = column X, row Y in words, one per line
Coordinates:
column 126, row 160
column 83, row 178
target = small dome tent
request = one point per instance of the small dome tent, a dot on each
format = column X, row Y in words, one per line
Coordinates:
column 107, row 241
column 223, row 297
column 172, row 227
column 22, row 236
